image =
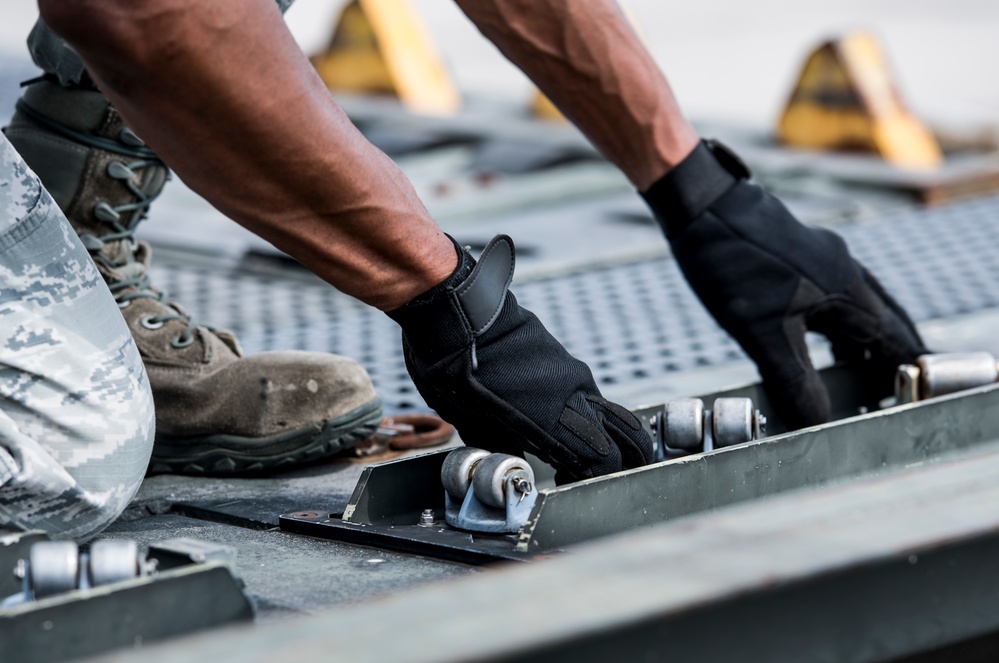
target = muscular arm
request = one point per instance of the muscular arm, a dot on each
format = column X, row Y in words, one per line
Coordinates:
column 584, row 55
column 735, row 243
column 223, row 93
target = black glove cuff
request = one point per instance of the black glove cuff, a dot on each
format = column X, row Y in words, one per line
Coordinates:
column 693, row 185
column 452, row 314
column 445, row 287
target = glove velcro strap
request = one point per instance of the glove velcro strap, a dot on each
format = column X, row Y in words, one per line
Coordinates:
column 450, row 316
column 481, row 295
column 690, row 188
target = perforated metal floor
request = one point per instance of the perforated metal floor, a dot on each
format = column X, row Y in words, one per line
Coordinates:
column 628, row 322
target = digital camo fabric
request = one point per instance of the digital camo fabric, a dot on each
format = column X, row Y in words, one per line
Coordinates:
column 76, row 413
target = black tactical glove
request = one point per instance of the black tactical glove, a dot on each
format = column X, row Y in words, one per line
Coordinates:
column 766, row 279
column 490, row 367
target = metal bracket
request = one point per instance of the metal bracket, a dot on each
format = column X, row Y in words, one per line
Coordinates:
column 473, row 515
column 866, row 442
column 178, row 599
column 13, row 547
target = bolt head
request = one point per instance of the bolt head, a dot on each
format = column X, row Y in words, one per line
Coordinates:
column 427, row 517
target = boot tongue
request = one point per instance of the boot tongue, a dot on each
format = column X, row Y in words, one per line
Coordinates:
column 131, row 269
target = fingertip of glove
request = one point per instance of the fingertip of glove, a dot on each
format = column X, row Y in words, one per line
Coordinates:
column 586, row 430
column 624, row 414
column 803, row 403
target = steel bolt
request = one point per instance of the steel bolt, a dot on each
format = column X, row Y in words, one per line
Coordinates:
column 149, row 567
column 427, row 518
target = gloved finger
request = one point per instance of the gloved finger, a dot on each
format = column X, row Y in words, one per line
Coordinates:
column 801, row 402
column 626, row 432
column 900, row 331
column 796, row 392
column 869, row 329
column 581, row 430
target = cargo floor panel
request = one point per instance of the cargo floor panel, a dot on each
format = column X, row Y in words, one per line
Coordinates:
column 286, row 573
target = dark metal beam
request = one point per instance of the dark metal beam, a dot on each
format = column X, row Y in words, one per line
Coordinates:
column 125, row 614
column 859, row 572
column 864, row 445
column 389, row 497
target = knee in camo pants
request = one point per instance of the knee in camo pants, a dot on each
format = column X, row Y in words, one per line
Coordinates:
column 76, row 414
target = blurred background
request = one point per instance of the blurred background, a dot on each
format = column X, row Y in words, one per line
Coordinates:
column 590, row 258
column 726, row 60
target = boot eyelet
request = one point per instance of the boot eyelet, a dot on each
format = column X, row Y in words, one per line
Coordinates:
column 148, row 322
column 180, row 342
column 124, row 304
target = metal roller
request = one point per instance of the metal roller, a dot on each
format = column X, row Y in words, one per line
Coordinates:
column 683, row 422
column 53, row 568
column 733, row 421
column 490, row 478
column 112, row 560
column 946, row 373
column 456, row 473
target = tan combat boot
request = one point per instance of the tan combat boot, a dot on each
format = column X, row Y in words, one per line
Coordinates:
column 217, row 412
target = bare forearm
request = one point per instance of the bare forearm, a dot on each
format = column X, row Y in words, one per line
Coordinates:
column 584, row 55
column 222, row 92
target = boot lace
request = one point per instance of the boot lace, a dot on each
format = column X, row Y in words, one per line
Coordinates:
column 135, row 283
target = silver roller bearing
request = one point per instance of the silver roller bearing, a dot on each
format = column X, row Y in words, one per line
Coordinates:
column 683, row 422
column 53, row 567
column 113, row 560
column 490, row 478
column 947, row 373
column 733, row 421
column 456, row 473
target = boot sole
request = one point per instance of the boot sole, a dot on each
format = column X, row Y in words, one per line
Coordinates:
column 230, row 455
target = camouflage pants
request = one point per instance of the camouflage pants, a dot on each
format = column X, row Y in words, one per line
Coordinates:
column 54, row 56
column 76, row 413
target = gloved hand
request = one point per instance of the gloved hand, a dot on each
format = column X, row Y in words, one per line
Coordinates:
column 490, row 367
column 766, row 279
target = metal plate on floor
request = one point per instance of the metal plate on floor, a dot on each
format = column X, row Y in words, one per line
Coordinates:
column 439, row 541
column 384, row 511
